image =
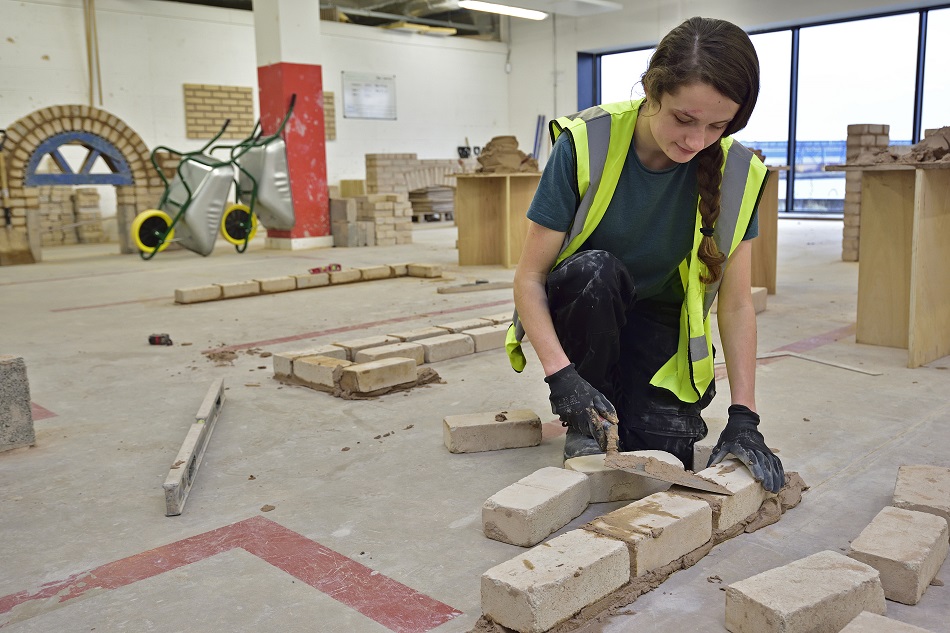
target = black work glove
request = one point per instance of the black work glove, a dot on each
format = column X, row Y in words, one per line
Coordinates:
column 741, row 437
column 580, row 406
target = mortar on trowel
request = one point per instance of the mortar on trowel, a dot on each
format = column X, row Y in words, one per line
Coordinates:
column 645, row 464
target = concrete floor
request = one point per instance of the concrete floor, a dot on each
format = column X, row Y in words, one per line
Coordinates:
column 385, row 536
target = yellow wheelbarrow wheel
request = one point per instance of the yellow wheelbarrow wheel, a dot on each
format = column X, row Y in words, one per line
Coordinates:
column 148, row 227
column 238, row 225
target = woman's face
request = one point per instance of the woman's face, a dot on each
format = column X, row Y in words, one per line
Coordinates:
column 690, row 120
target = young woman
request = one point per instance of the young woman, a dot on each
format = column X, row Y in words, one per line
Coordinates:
column 643, row 214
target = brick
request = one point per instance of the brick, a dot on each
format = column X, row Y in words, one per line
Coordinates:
column 923, row 488
column 728, row 510
column 375, row 272
column 197, row 294
column 702, row 449
column 489, row 337
column 277, row 284
column 447, row 346
column 872, row 623
column 548, row 584
column 760, row 297
column 497, row 430
column 533, row 507
column 239, row 289
column 393, row 350
column 345, row 276
column 400, row 270
column 322, row 371
column 907, row 548
column 16, row 414
column 817, row 594
column 284, row 361
column 379, row 374
column 501, row 317
column 460, row 326
column 312, row 281
column 657, row 529
column 354, row 345
column 420, row 333
column 424, row 270
column 611, row 484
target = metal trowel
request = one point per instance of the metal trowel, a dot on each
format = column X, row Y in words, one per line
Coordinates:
column 650, row 464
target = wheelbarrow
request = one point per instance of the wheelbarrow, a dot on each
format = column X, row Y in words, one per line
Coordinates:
column 195, row 204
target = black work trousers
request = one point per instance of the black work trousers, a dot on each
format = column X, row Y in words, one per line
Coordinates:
column 617, row 345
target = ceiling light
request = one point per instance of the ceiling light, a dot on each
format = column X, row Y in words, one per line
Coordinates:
column 478, row 5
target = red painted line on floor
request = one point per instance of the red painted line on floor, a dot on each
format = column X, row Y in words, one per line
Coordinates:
column 69, row 278
column 109, row 305
column 40, row 413
column 357, row 326
column 399, row 608
column 554, row 428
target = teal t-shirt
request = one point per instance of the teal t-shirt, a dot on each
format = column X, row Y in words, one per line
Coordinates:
column 648, row 224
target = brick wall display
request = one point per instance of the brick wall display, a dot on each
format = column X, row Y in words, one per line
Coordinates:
column 207, row 106
column 329, row 113
column 860, row 138
column 402, row 173
column 25, row 135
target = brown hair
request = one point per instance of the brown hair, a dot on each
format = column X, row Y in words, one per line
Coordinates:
column 720, row 54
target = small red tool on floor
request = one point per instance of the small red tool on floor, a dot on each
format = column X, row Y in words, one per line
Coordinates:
column 331, row 268
column 159, row 339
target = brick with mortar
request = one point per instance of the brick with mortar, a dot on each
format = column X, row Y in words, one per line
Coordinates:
column 501, row 317
column 727, row 510
column 345, row 276
column 284, row 361
column 816, row 594
column 702, row 449
column 401, row 350
column 197, row 294
column 496, row 430
column 657, row 529
column 424, row 270
column 16, row 414
column 400, row 270
column 321, row 371
column 354, row 345
column 923, row 488
column 447, row 346
column 907, row 548
column 527, row 511
column 611, row 484
column 460, row 326
column 420, row 333
column 312, row 281
column 239, row 289
column 370, row 273
column 872, row 623
column 277, row 284
column 489, row 337
column 378, row 374
column 546, row 585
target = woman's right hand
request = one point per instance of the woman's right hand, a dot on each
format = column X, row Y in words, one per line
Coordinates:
column 580, row 406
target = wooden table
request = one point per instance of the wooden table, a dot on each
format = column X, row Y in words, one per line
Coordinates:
column 490, row 216
column 904, row 258
column 765, row 247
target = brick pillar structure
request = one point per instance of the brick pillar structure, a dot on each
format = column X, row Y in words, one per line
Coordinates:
column 27, row 134
column 860, row 138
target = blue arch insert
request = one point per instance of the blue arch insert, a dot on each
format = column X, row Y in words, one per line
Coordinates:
column 97, row 146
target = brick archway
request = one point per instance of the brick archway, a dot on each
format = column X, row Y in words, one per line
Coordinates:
column 28, row 133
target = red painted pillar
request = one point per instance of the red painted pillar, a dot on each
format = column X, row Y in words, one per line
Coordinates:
column 305, row 136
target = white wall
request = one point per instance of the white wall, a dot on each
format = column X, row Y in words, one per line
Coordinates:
column 446, row 89
column 543, row 81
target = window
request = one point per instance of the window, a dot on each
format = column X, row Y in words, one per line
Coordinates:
column 620, row 75
column 936, row 112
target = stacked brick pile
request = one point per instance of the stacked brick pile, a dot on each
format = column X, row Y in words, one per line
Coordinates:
column 391, row 217
column 88, row 216
column 402, row 173
column 861, row 138
column 56, row 215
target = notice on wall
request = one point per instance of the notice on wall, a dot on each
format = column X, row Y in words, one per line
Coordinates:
column 369, row 96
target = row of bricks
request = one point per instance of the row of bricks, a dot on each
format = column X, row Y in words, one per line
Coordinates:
column 895, row 557
column 270, row 285
column 321, row 367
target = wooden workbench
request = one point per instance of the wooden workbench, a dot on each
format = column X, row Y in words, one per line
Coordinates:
column 765, row 246
column 904, row 258
column 490, row 216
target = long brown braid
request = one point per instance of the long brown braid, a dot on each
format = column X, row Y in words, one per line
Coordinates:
column 720, row 54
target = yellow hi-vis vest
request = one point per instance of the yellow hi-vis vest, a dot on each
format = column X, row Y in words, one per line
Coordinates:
column 602, row 137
